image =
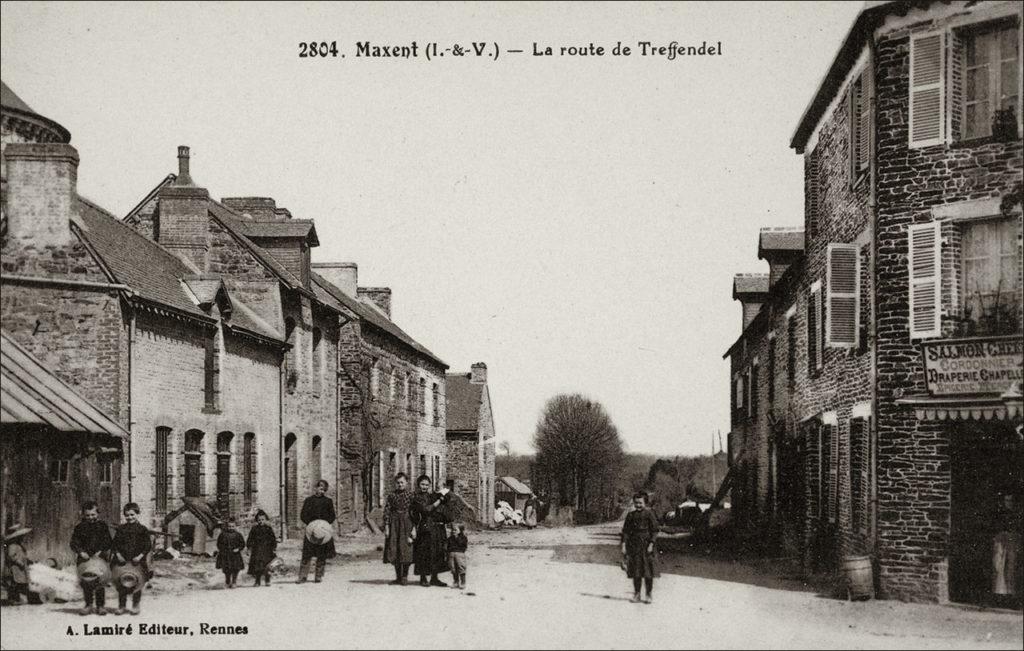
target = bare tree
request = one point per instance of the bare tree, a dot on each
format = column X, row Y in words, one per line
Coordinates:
column 579, row 453
column 505, row 447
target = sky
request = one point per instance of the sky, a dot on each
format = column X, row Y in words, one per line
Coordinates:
column 572, row 221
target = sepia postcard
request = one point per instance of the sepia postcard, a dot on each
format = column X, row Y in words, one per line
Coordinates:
column 512, row 325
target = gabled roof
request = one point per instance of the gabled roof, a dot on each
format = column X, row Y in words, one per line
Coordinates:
column 31, row 394
column 151, row 271
column 331, row 296
column 519, row 487
column 861, row 30
column 462, row 402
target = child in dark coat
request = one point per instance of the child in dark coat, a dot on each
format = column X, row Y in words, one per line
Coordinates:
column 639, row 533
column 262, row 546
column 132, row 543
column 457, row 545
column 91, row 539
column 230, row 544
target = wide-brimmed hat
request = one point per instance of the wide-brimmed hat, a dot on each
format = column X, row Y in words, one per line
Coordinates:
column 16, row 531
column 319, row 532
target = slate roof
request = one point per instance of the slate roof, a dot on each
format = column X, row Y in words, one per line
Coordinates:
column 781, row 240
column 462, row 402
column 519, row 487
column 154, row 273
column 330, row 295
column 31, row 394
column 303, row 228
column 11, row 102
column 150, row 270
column 749, row 284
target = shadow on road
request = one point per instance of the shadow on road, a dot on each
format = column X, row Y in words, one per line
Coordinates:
column 703, row 562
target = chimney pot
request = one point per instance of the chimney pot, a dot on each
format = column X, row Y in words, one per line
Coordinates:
column 183, row 172
column 478, row 373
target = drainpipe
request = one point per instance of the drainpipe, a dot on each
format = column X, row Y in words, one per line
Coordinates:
column 873, row 321
column 280, row 446
column 131, row 395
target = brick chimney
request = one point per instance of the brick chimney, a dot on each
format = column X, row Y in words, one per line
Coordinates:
column 381, row 297
column 343, row 275
column 752, row 291
column 182, row 219
column 478, row 373
column 42, row 189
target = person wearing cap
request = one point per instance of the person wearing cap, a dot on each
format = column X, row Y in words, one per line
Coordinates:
column 15, row 578
column 317, row 507
column 91, row 539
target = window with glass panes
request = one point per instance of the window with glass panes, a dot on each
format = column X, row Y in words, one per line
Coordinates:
column 990, row 254
column 991, row 76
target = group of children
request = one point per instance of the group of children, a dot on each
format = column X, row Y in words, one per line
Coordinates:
column 123, row 558
column 126, row 552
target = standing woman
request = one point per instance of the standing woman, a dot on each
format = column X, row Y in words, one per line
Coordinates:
column 639, row 533
column 398, row 530
column 430, row 549
column 530, row 512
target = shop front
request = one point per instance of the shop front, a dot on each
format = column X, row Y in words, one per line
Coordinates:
column 974, row 397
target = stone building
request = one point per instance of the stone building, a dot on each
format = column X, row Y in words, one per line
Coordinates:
column 392, row 393
column 471, row 441
column 904, row 354
column 199, row 325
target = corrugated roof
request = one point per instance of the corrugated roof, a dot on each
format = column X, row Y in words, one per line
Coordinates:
column 330, row 295
column 462, row 402
column 31, row 394
column 516, row 485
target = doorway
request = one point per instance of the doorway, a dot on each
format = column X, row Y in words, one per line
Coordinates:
column 291, row 483
column 985, row 514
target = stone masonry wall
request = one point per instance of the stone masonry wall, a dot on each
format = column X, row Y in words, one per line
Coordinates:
column 914, row 457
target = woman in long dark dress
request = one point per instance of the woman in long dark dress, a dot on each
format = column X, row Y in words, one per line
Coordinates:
column 262, row 546
column 398, row 531
column 430, row 546
column 230, row 544
column 639, row 534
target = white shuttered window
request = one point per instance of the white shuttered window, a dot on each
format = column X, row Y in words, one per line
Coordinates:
column 842, row 311
column 927, row 89
column 925, row 282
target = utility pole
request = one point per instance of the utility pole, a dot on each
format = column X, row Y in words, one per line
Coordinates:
column 714, row 477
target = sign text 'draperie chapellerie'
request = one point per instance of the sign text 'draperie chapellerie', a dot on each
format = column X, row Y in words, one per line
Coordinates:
column 973, row 365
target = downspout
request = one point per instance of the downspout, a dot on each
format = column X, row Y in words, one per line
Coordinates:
column 872, row 269
column 131, row 394
column 280, row 446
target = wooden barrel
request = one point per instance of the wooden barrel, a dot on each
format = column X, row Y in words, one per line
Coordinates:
column 859, row 578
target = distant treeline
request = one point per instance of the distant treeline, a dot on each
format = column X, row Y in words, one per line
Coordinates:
column 669, row 481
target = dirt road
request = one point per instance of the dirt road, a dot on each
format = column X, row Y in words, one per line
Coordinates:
column 547, row 588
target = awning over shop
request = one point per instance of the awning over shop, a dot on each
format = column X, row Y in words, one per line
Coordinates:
column 1007, row 407
column 31, row 394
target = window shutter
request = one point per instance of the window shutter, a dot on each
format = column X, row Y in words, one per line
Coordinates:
column 864, row 121
column 843, row 296
column 833, row 474
column 927, row 89
column 925, row 288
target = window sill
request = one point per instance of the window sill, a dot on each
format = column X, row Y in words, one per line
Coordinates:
column 966, row 143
